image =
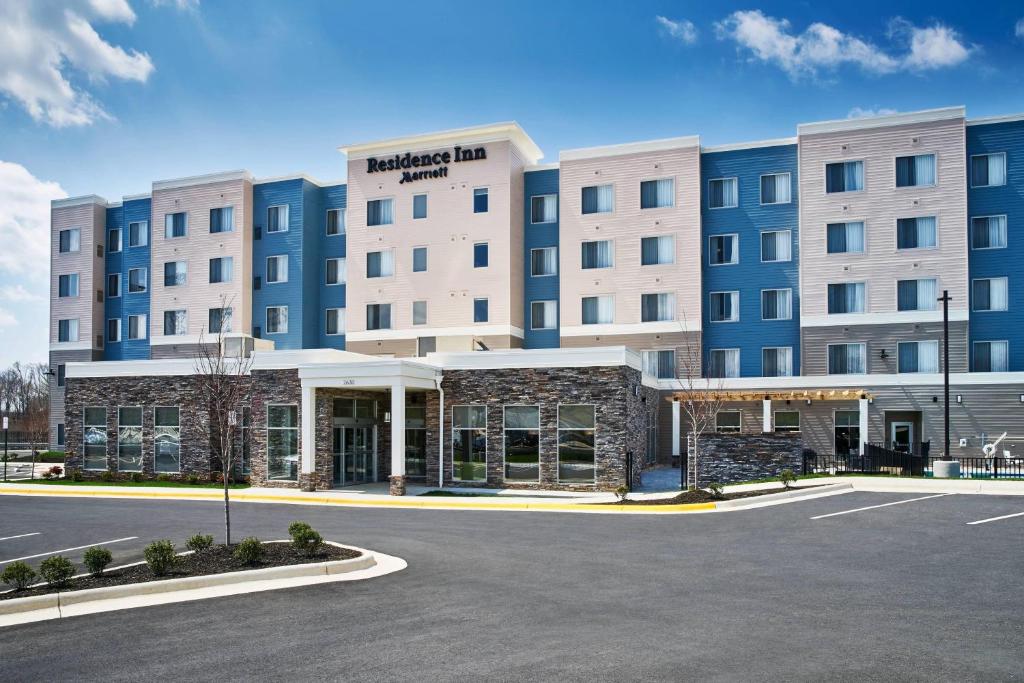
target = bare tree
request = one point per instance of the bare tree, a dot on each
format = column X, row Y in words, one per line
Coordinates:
column 224, row 382
column 700, row 399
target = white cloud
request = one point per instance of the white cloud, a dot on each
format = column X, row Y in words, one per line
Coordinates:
column 859, row 113
column 19, row 293
column 1018, row 30
column 7, row 319
column 43, row 41
column 25, row 221
column 821, row 46
column 184, row 5
column 682, row 30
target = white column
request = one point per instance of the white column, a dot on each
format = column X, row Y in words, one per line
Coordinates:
column 397, row 429
column 676, row 435
column 863, row 424
column 308, row 431
column 766, row 415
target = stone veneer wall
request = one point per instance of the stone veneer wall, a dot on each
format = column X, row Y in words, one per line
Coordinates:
column 272, row 387
column 733, row 458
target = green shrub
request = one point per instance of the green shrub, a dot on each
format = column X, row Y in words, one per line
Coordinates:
column 137, row 477
column 193, row 479
column 249, row 551
column 717, row 489
column 622, row 492
column 107, row 475
column 163, row 477
column 160, row 557
column 96, row 559
column 305, row 538
column 18, row 574
column 57, row 570
column 76, row 475
column 199, row 542
column 787, row 477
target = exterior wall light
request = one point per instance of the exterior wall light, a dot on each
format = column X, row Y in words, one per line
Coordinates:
column 959, row 398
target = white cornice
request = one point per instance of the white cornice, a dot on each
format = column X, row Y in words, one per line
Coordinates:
column 664, row 327
column 205, row 179
column 132, row 368
column 410, row 333
column 507, row 130
column 136, row 197
column 541, row 167
column 894, row 318
column 78, row 201
column 865, row 382
column 1004, row 118
column 777, row 142
column 868, row 122
column 598, row 356
column 293, row 176
column 647, row 146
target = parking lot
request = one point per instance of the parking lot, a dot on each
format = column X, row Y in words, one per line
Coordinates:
column 861, row 585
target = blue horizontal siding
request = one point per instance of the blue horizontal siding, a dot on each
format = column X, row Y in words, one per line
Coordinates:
column 544, row 288
column 333, row 246
column 289, row 242
column 121, row 262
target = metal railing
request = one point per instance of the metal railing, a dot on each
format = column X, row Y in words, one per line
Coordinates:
column 914, row 462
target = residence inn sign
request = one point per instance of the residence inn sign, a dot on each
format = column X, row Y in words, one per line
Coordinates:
column 440, row 160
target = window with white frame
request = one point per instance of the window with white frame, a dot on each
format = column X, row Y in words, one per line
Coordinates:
column 724, row 363
column 988, row 170
column 113, row 330
column 277, row 218
column 723, row 193
column 657, row 307
column 522, row 443
column 990, row 294
column 988, row 232
column 597, row 254
column 380, row 211
column 419, row 312
column 577, row 426
column 138, row 234
column 658, row 250
column 787, row 421
column 113, row 285
column 776, row 246
column 277, row 320
column 67, row 330
column 844, row 176
column 723, row 250
column 335, row 323
column 175, row 273
column 129, row 439
column 660, row 363
column 915, row 171
column 481, row 255
column 419, row 259
column 277, row 269
column 175, row 225
column 137, row 326
column 657, row 194
column 598, row 310
column 776, row 304
column 544, row 261
column 167, row 439
column 219, row 320
column 777, row 361
column 176, row 322
column 917, row 356
column 917, row 295
column 775, row 188
column 846, row 297
column 336, row 271
column 67, row 285
column 728, row 421
column 724, row 307
column 69, row 241
column 916, row 233
column 222, row 269
column 378, row 316
column 138, row 280
column 845, row 238
column 94, row 441
column 419, row 206
column 847, row 359
column 543, row 208
column 380, row 263
column 991, row 356
column 114, row 240
column 480, row 199
column 543, row 315
column 222, row 219
column 335, row 221
column 598, row 199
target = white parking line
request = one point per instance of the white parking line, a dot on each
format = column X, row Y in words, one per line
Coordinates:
column 67, row 550
column 883, row 505
column 990, row 519
column 7, row 538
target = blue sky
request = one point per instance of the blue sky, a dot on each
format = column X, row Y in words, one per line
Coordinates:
column 104, row 96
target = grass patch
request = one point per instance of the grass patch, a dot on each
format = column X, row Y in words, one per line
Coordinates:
column 138, row 484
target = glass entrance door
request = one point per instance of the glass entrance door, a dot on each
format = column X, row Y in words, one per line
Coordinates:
column 355, row 460
column 902, row 436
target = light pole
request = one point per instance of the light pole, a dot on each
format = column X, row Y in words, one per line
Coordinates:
column 946, row 467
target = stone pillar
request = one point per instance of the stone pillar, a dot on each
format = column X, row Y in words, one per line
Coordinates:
column 307, row 439
column 863, row 406
column 766, row 415
column 397, row 439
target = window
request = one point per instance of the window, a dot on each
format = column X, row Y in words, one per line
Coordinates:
column 419, row 259
column 94, row 440
column 845, row 238
column 137, row 326
column 222, row 269
column 114, row 241
column 916, row 295
column 129, row 439
column 544, row 261
column 991, row 356
column 380, row 211
column 277, row 269
column 917, row 356
column 543, row 315
column 419, row 206
column 335, row 323
column 61, row 374
column 727, row 421
column 777, row 361
column 378, row 316
column 844, row 176
column 915, row 233
column 657, row 307
column 847, row 432
column 67, row 285
column 988, row 170
column 598, row 199
column 915, row 171
column 176, row 322
column 138, row 234
column 67, row 330
column 787, row 420
column 988, row 232
column 283, row 442
column 598, row 310
column 113, row 330
column 60, row 433
column 522, row 443
column 723, row 249
column 70, row 240
column 336, row 271
column 775, row 188
column 659, row 363
column 469, row 443
column 419, row 312
column 480, row 310
column 544, row 208
column 479, row 200
column 277, row 218
column 277, row 319
column 415, row 436
column 113, row 285
column 380, row 263
column 246, row 436
column 175, row 273
column 175, row 225
column 723, row 193
column 219, row 320
column 776, row 304
column 776, row 246
column 597, row 254
column 425, row 345
column 846, row 297
column 577, row 426
column 847, row 359
column 724, row 363
column 990, row 294
column 167, row 439
column 480, row 255
column 335, row 221
column 656, row 251
column 657, row 194
column 725, row 307
column 222, row 220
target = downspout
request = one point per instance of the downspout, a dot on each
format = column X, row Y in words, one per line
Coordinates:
column 440, row 434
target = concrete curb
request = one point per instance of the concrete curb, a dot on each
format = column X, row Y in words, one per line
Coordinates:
column 110, row 598
column 790, row 496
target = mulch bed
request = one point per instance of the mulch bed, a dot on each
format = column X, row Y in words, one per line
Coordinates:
column 702, row 496
column 216, row 560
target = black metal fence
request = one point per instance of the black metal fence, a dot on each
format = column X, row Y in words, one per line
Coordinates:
column 915, row 462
